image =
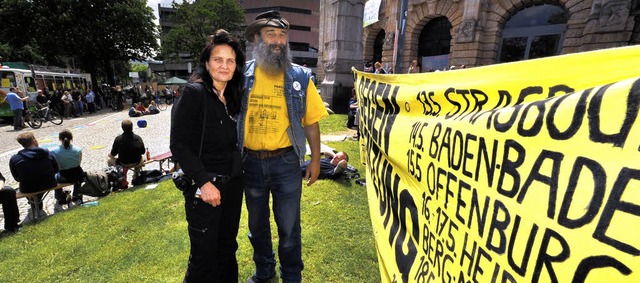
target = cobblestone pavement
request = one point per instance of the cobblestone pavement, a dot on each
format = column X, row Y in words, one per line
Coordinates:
column 94, row 133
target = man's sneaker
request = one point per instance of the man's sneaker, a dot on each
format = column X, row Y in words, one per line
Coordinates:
column 340, row 167
column 254, row 279
column 57, row 207
column 41, row 214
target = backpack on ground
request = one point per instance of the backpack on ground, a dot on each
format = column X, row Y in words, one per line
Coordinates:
column 149, row 176
column 96, row 184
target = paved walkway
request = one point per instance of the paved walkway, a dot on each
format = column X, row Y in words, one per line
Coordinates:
column 94, row 133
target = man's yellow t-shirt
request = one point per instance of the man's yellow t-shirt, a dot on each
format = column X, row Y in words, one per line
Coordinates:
column 267, row 118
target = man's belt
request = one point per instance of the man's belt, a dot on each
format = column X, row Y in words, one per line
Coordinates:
column 264, row 154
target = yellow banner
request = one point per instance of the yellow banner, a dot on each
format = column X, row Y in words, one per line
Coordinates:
column 517, row 172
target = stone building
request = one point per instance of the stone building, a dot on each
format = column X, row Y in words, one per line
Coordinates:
column 444, row 33
column 483, row 32
column 303, row 34
column 304, row 26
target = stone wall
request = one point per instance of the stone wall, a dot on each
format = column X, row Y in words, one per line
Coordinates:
column 477, row 26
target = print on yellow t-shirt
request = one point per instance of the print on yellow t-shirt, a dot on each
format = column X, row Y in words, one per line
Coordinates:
column 267, row 117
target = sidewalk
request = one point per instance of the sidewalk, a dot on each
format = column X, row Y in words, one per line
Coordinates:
column 95, row 135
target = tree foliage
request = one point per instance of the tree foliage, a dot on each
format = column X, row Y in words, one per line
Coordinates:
column 194, row 22
column 92, row 32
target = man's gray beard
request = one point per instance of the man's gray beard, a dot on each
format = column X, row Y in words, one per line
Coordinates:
column 272, row 63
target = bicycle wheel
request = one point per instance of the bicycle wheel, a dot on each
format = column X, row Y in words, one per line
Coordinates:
column 55, row 117
column 162, row 106
column 33, row 120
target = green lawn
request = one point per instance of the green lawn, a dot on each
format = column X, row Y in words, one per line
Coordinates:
column 141, row 236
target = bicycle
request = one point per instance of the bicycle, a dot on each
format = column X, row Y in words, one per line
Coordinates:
column 162, row 103
column 43, row 115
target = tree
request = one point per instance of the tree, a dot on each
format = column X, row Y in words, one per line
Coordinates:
column 194, row 22
column 96, row 34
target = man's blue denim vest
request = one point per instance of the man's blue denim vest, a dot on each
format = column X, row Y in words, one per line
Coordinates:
column 296, row 80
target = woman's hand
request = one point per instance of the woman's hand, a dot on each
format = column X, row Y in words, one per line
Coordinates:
column 210, row 194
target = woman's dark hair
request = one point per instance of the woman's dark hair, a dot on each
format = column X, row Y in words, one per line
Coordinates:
column 65, row 137
column 235, row 87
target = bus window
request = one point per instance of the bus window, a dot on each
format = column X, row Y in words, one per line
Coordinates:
column 50, row 82
column 30, row 83
column 8, row 80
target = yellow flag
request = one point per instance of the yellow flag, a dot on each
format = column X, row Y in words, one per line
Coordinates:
column 516, row 172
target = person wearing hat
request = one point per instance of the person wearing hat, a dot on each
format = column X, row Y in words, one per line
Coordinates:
column 41, row 100
column 281, row 107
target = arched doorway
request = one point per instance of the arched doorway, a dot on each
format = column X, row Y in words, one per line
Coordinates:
column 434, row 44
column 533, row 32
column 377, row 47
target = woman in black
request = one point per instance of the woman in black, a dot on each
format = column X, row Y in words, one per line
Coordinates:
column 211, row 159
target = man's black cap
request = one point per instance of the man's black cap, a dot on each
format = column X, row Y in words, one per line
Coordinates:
column 270, row 18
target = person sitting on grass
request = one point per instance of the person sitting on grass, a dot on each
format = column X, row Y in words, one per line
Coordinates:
column 153, row 108
column 331, row 166
column 134, row 112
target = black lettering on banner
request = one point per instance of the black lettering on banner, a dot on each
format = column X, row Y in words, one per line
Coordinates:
column 468, row 252
column 408, row 213
column 490, row 165
column 510, row 167
column 522, row 268
column 576, row 119
column 618, row 139
column 534, row 130
column 467, row 156
column 599, row 179
column 537, row 125
column 596, row 262
column 504, row 100
column 499, row 223
column 546, row 260
column 397, row 207
column 507, row 231
column 504, row 127
column 614, row 204
column 506, row 276
column 449, row 95
column 461, row 203
column 429, row 106
column 480, row 99
column 475, row 210
column 551, row 181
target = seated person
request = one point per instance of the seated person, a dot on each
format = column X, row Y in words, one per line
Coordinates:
column 41, row 100
column 34, row 167
column 134, row 112
column 141, row 108
column 69, row 158
column 9, row 207
column 331, row 166
column 153, row 108
column 130, row 151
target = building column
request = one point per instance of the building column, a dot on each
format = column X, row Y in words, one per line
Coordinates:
column 340, row 49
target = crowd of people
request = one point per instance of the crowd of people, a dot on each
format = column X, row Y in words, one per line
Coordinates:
column 37, row 169
column 414, row 67
column 228, row 149
column 77, row 101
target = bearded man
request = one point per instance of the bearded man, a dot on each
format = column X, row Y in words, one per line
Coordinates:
column 281, row 106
